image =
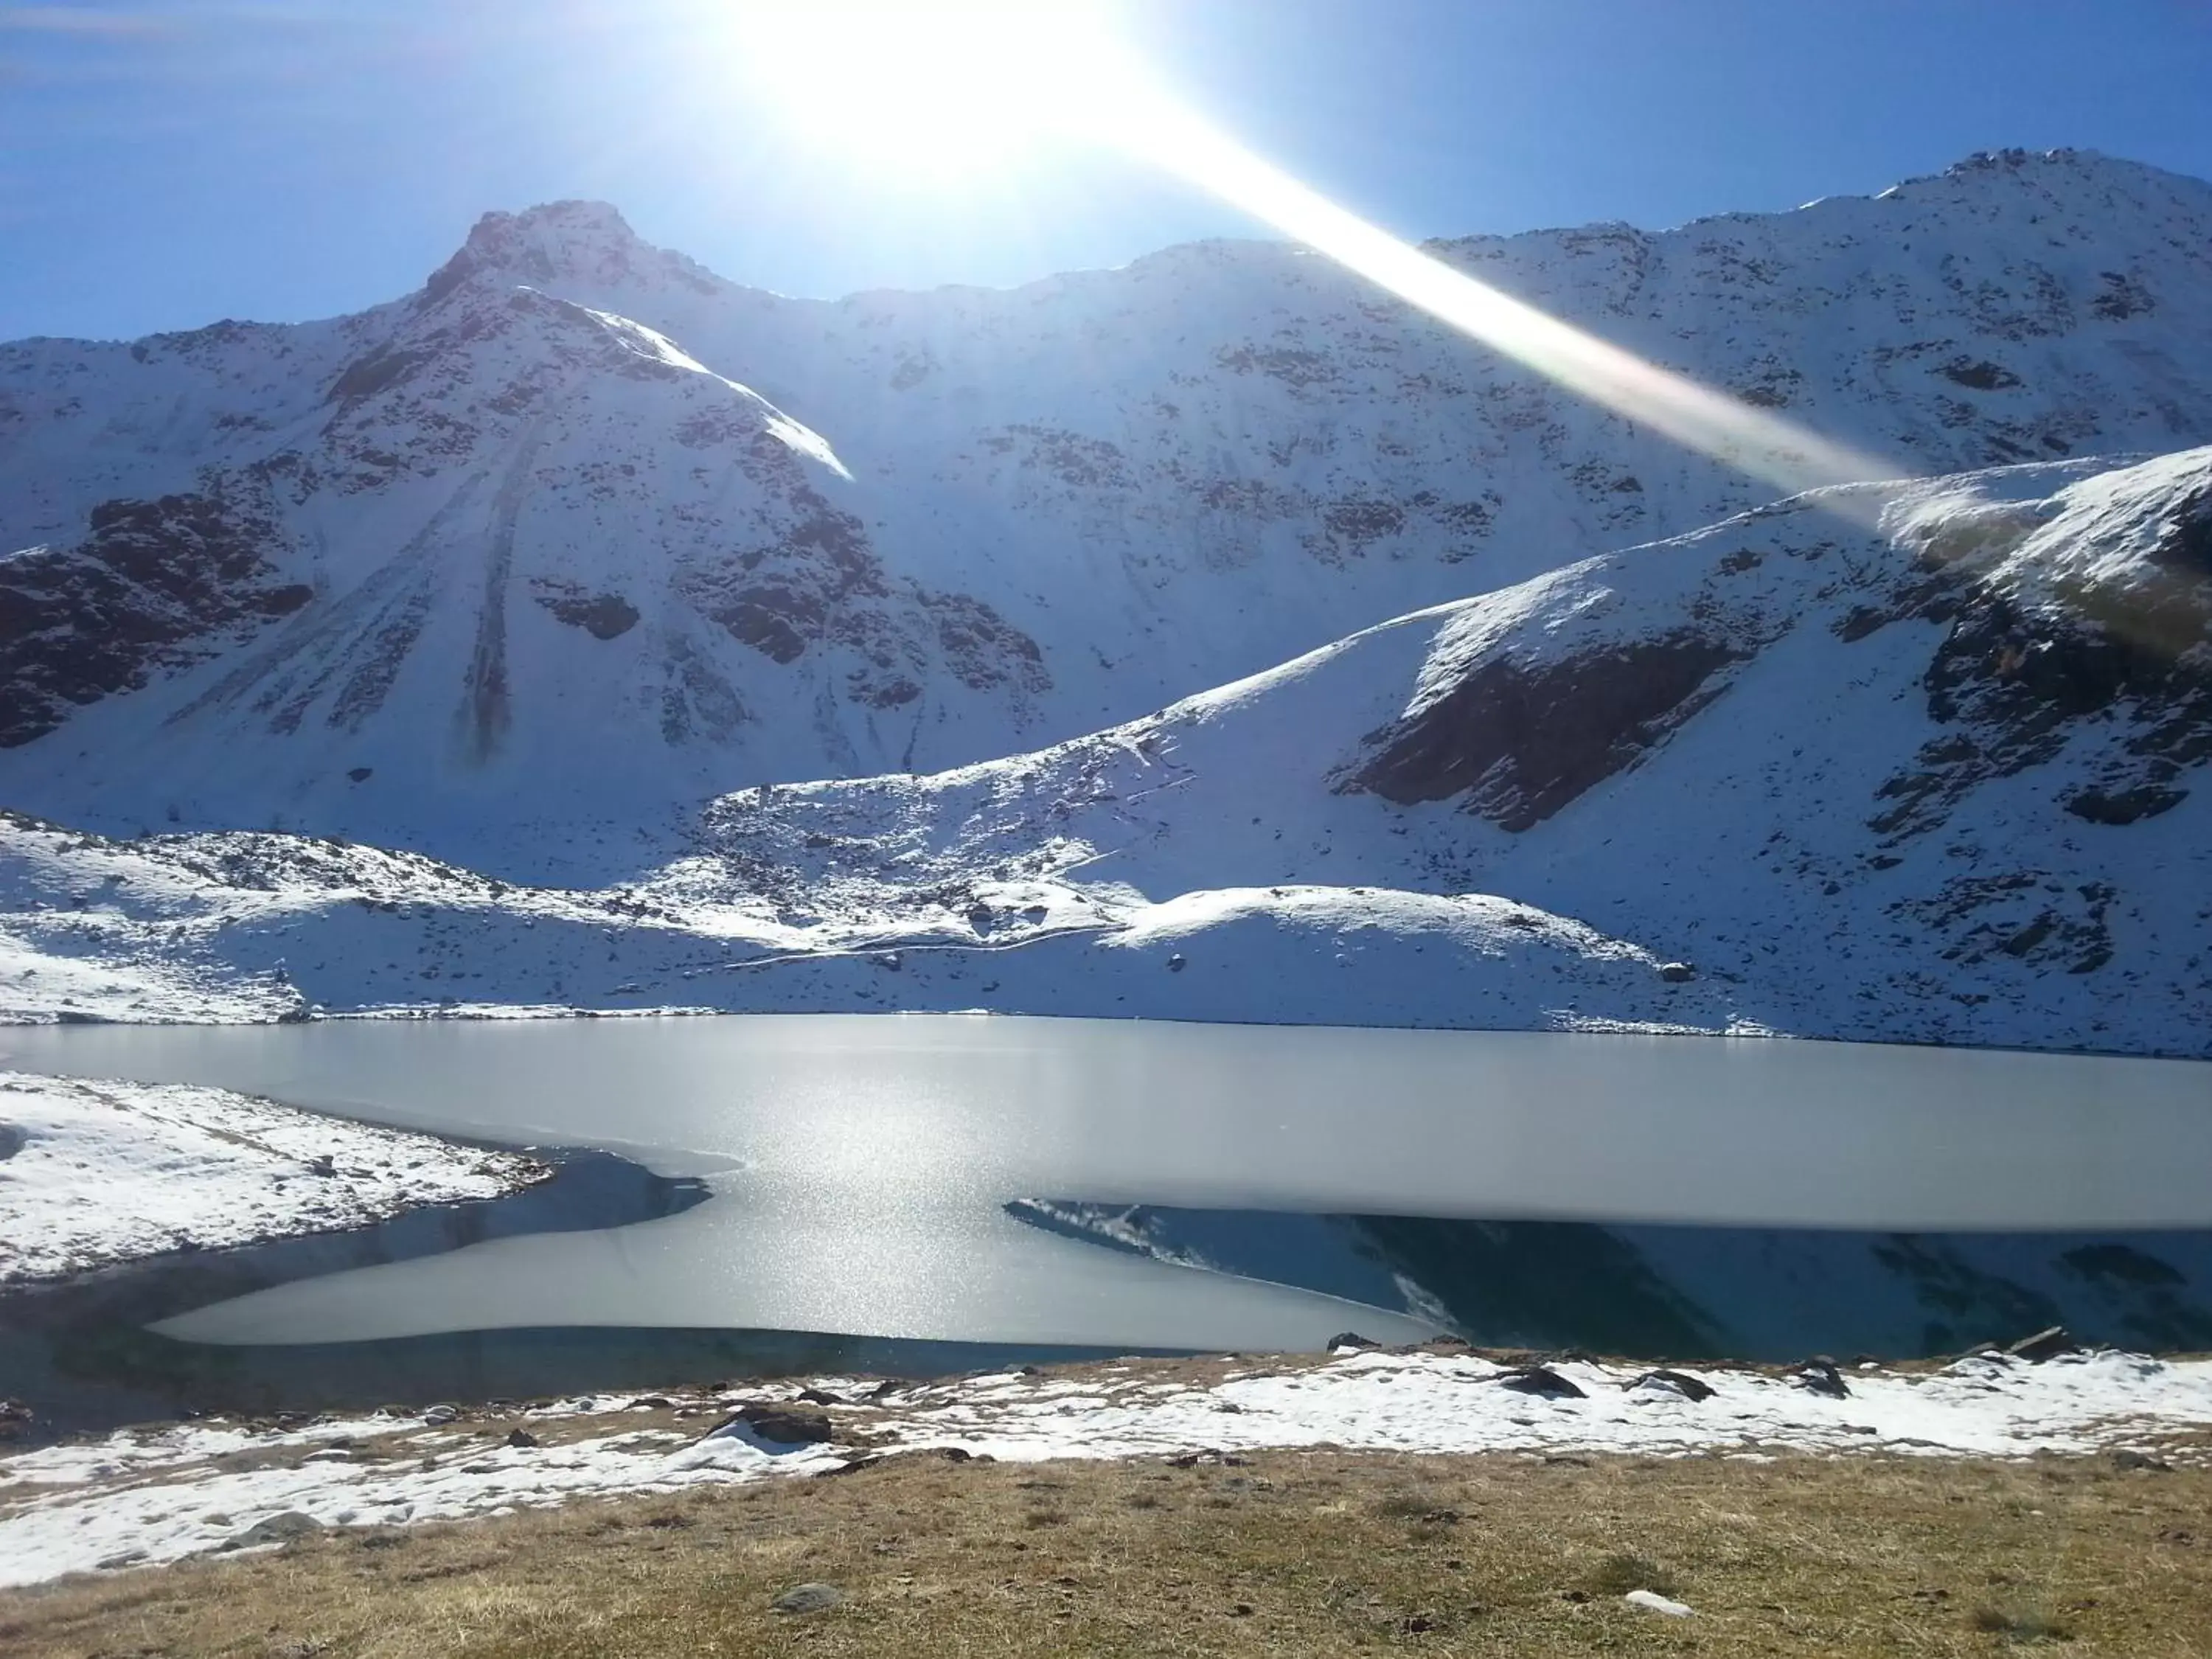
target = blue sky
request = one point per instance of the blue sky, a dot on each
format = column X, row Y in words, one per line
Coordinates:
column 164, row 164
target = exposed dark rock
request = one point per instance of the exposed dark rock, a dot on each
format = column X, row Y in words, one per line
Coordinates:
column 16, row 1418
column 2119, row 297
column 1979, row 375
column 2021, row 679
column 1350, row 1339
column 1820, row 1376
column 521, row 1439
column 1677, row 973
column 789, row 1425
column 1540, row 1380
column 367, row 376
column 2128, row 1458
column 155, row 585
column 1682, row 1383
column 821, row 585
column 1521, row 741
column 361, row 774
column 587, row 241
column 2144, row 800
column 12, row 1141
column 2043, row 1345
column 603, row 616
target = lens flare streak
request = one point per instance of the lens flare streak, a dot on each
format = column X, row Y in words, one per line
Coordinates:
column 965, row 85
column 1775, row 450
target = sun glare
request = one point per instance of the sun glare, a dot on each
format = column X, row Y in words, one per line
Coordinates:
column 953, row 88
column 960, row 88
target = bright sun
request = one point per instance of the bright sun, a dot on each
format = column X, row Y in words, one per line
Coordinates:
column 953, row 91
column 950, row 87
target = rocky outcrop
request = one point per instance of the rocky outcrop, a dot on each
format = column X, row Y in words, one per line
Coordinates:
column 154, row 586
column 566, row 555
column 2025, row 666
column 1521, row 741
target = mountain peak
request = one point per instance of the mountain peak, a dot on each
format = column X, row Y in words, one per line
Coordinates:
column 558, row 245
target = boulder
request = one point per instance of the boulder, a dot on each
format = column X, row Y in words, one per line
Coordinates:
column 1681, row 1382
column 276, row 1529
column 1540, row 1380
column 1820, row 1376
column 2043, row 1345
column 786, row 1426
column 808, row 1598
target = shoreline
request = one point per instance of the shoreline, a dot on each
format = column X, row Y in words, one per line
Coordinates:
column 157, row 1494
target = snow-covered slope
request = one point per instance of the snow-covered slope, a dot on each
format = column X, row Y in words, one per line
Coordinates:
column 525, row 571
column 1936, row 780
column 511, row 569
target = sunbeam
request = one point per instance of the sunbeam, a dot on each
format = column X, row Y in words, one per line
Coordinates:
column 954, row 83
column 1775, row 450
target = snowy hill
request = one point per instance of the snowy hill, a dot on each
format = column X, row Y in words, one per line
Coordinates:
column 515, row 570
column 1937, row 779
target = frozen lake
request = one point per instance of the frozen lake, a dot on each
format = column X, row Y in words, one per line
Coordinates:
column 861, row 1167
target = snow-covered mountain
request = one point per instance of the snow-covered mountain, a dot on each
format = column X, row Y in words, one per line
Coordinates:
column 1928, row 767
column 513, row 569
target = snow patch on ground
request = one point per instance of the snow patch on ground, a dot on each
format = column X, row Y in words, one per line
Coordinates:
column 145, row 1497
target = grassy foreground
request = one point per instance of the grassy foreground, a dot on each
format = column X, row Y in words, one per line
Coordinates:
column 1311, row 1551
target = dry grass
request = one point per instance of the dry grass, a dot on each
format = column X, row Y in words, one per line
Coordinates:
column 1317, row 1553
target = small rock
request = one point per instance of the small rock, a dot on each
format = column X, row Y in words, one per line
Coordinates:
column 1681, row 1382
column 1540, row 1380
column 2127, row 1458
column 1656, row 1603
column 808, row 1598
column 1677, row 973
column 276, row 1529
column 651, row 1402
column 520, row 1438
column 820, row 1397
column 1820, row 1376
column 786, row 1426
column 440, row 1413
column 1351, row 1339
column 324, row 1165
column 2043, row 1345
column 14, row 1419
column 1176, row 963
